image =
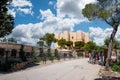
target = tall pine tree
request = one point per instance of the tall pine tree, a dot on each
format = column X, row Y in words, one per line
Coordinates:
column 34, row 56
column 50, row 57
column 57, row 54
column 22, row 53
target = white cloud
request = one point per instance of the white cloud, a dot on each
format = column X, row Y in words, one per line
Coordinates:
column 71, row 8
column 21, row 6
column 51, row 3
column 68, row 15
column 21, row 3
column 98, row 34
column 27, row 34
column 46, row 14
column 26, row 10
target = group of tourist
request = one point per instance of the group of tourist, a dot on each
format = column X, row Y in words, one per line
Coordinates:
column 95, row 57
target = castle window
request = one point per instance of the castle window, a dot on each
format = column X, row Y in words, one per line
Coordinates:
column 28, row 54
column 72, row 37
column 2, row 50
column 13, row 52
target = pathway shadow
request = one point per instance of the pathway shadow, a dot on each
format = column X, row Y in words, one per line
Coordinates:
column 3, row 72
column 105, row 78
column 30, row 65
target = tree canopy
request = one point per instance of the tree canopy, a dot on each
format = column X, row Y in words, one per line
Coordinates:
column 40, row 43
column 6, row 20
column 62, row 43
column 108, row 10
column 48, row 38
column 116, row 43
column 90, row 46
column 69, row 44
column 79, row 44
column 12, row 40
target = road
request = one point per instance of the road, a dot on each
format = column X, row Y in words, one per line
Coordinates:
column 78, row 69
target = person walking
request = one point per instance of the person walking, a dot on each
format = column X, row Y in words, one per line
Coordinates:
column 90, row 57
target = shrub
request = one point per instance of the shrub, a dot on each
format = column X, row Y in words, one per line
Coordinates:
column 8, row 66
column 116, row 67
column 57, row 54
column 34, row 56
column 79, row 54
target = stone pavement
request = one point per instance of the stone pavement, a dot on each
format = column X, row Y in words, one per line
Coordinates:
column 78, row 69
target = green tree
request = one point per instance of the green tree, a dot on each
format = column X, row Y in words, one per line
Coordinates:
column 43, row 55
column 79, row 44
column 41, row 43
column 109, row 11
column 12, row 40
column 34, row 56
column 80, row 54
column 41, row 52
column 6, row 20
column 50, row 57
column 116, row 43
column 69, row 44
column 106, row 42
column 98, row 48
column 48, row 38
column 44, row 58
column 22, row 53
column 61, row 43
column 57, row 54
column 90, row 46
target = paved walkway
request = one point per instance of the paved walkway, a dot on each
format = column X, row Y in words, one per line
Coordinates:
column 78, row 69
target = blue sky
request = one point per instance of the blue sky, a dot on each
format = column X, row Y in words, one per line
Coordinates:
column 34, row 18
column 96, row 23
column 37, row 5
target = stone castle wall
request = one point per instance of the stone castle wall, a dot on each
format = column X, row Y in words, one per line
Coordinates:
column 73, row 36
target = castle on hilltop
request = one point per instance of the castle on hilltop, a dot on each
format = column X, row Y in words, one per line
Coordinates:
column 73, row 36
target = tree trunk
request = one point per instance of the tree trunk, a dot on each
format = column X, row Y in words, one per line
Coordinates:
column 116, row 55
column 115, row 27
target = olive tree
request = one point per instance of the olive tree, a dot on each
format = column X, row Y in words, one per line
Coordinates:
column 61, row 43
column 69, row 44
column 48, row 38
column 79, row 44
